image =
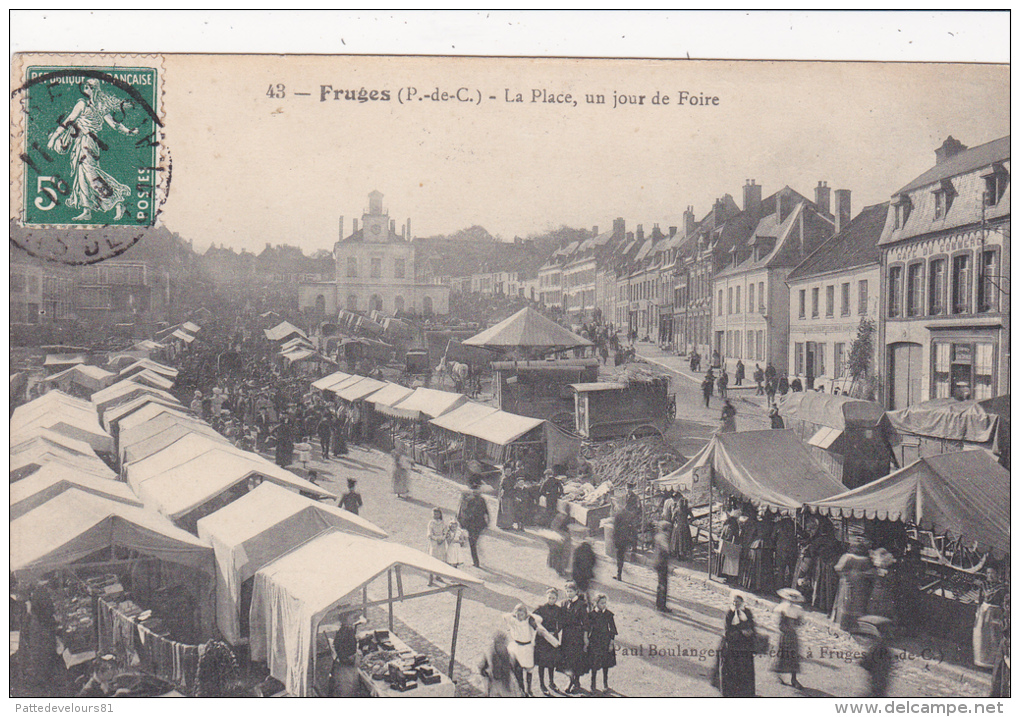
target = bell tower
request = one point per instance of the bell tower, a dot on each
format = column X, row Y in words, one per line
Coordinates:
column 376, row 221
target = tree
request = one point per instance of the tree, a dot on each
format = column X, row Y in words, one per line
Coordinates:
column 862, row 351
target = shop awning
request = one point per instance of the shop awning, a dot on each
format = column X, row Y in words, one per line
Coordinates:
column 502, row 428
column 826, row 438
column 326, row 381
column 359, row 390
column 390, row 395
column 293, row 594
column 463, row 416
column 180, row 490
column 425, row 403
column 75, row 524
column 183, row 335
column 965, row 494
column 259, row 527
column 827, row 409
column 54, row 479
column 774, row 469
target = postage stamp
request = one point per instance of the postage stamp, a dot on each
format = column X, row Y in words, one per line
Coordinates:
column 89, row 158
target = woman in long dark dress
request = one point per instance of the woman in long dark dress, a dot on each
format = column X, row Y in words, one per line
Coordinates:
column 601, row 648
column 284, row 444
column 547, row 655
column 583, row 568
column 574, row 636
column 505, row 512
column 680, row 543
column 735, row 663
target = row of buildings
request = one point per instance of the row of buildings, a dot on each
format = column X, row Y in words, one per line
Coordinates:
column 787, row 279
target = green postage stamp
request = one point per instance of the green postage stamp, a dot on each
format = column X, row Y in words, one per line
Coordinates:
column 90, row 154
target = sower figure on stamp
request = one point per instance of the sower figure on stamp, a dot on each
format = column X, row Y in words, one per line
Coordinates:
column 92, row 189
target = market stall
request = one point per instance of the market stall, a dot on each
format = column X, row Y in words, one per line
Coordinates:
column 31, row 459
column 771, row 469
column 325, row 382
column 149, row 365
column 122, row 578
column 81, row 380
column 124, row 391
column 24, row 440
column 54, row 479
column 162, row 430
column 378, row 425
column 452, row 445
column 149, row 412
column 283, row 332
column 848, row 436
column 172, row 453
column 202, row 484
column 256, row 529
column 112, row 416
column 526, row 335
column 410, row 431
column 65, row 415
column 945, row 425
column 299, row 596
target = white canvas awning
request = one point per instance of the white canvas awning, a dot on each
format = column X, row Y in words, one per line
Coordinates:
column 173, row 432
column 142, row 364
column 326, row 381
column 258, row 528
column 502, row 428
column 185, row 447
column 463, row 416
column 183, row 488
column 389, row 395
column 124, row 391
column 76, row 419
column 149, row 412
column 54, row 478
column 357, row 391
column 113, row 416
column 24, row 440
column 425, row 403
column 292, row 594
column 75, row 524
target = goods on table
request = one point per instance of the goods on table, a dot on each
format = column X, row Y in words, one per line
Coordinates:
column 402, row 669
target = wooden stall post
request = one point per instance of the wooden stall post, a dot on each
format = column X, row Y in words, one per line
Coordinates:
column 711, row 501
column 389, row 589
column 456, row 626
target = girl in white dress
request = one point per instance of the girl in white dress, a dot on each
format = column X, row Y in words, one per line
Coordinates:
column 521, row 627
column 456, row 541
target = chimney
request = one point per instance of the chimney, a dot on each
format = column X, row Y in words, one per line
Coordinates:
column 672, row 231
column 842, row 209
column 403, row 232
column 640, row 232
column 950, row 148
column 393, row 226
column 619, row 227
column 752, row 196
column 689, row 221
column 341, row 228
column 409, row 228
column 595, row 230
column 717, row 212
column 355, row 226
column 822, row 197
column 783, row 208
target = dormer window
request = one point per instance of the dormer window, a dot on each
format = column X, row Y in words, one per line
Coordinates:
column 944, row 196
column 996, row 181
column 901, row 208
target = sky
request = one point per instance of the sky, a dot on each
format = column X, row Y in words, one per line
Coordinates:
column 251, row 169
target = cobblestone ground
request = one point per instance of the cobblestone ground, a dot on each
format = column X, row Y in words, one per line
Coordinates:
column 659, row 655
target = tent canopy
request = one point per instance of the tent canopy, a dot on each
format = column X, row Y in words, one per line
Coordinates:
column 293, row 594
column 91, row 378
column 774, row 469
column 296, row 342
column 327, row 381
column 157, row 425
column 359, row 390
column 75, row 424
column 826, row 409
column 74, row 525
column 148, row 412
column 140, row 450
column 971, row 421
column 494, row 426
column 390, row 395
column 283, row 330
column 184, row 448
column 27, row 439
column 181, row 489
column 425, row 403
column 149, row 377
column 49, row 400
column 54, row 479
column 527, row 329
column 182, row 335
column 463, row 416
column 965, row 494
column 28, row 461
column 113, row 416
column 142, row 364
column 258, row 528
column 127, row 390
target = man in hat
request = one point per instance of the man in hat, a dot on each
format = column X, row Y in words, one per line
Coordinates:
column 473, row 516
column 552, row 490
